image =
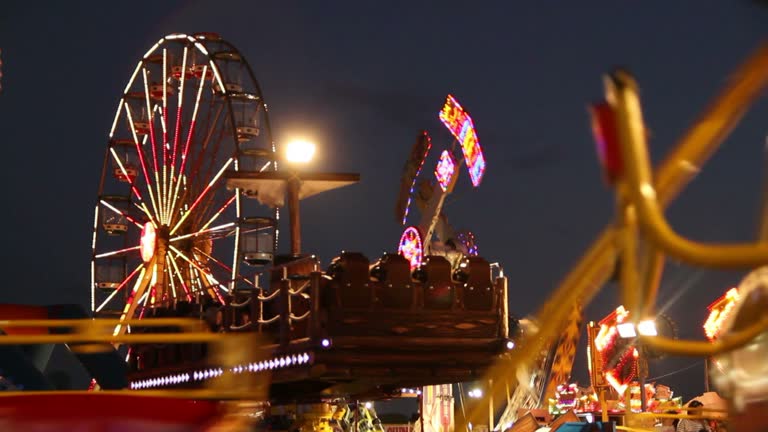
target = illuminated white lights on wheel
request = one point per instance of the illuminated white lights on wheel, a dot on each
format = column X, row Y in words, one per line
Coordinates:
column 279, row 362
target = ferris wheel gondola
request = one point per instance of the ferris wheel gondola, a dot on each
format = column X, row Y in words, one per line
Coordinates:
column 166, row 227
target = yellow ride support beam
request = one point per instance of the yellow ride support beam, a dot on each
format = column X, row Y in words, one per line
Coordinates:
column 671, row 176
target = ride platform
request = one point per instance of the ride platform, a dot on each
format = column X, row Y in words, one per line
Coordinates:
column 355, row 330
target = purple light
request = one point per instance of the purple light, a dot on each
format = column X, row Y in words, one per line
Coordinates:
column 325, row 343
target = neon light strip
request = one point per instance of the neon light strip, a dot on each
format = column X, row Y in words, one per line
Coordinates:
column 154, row 47
column 119, row 287
column 170, row 277
column 236, row 253
column 109, row 254
column 143, row 300
column 133, row 76
column 202, row 194
column 218, row 213
column 197, row 272
column 131, row 297
column 109, row 206
column 186, row 145
column 117, row 116
column 93, row 263
column 291, row 360
column 165, row 133
column 415, row 177
column 203, row 231
column 207, row 275
column 178, row 129
column 175, row 268
column 178, row 109
column 213, row 67
column 125, row 173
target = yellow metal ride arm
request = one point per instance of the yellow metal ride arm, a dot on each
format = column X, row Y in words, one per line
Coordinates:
column 642, row 206
column 92, row 335
column 672, row 175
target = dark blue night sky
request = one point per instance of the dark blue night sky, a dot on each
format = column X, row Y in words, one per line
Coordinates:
column 363, row 78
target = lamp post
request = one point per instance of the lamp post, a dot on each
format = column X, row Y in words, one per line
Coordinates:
column 288, row 185
column 297, row 152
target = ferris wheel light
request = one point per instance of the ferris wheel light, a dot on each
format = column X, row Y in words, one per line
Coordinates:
column 300, row 151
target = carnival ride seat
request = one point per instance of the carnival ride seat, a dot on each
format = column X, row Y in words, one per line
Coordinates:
column 395, row 287
column 478, row 289
column 437, row 283
column 350, row 280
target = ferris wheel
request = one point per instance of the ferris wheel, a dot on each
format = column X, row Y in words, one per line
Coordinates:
column 166, row 227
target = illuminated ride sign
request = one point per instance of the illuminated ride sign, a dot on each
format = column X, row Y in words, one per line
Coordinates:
column 615, row 354
column 460, row 124
column 444, row 170
column 719, row 310
column 411, row 246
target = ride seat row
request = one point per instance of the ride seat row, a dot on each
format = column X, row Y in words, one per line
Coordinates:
column 389, row 283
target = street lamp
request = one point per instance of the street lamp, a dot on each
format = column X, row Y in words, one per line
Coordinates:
column 297, row 152
column 289, row 184
column 300, row 151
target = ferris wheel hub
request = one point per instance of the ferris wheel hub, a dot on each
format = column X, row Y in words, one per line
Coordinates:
column 148, row 242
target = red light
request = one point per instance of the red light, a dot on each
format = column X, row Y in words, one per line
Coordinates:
column 606, row 140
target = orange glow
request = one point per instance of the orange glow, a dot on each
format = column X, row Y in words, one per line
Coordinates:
column 719, row 311
column 620, row 388
column 148, row 239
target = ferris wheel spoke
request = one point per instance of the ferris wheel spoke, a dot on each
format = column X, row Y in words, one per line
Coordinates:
column 204, row 286
column 117, row 252
column 175, row 270
column 139, row 289
column 201, row 196
column 165, row 131
column 185, row 152
column 203, row 271
column 177, row 131
column 119, row 287
column 145, row 210
column 142, row 161
column 219, row 212
column 201, row 232
column 153, row 142
column 122, row 214
column 197, row 163
column 205, row 145
column 225, row 267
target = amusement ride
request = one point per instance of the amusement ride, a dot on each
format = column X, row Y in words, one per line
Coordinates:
column 197, row 320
